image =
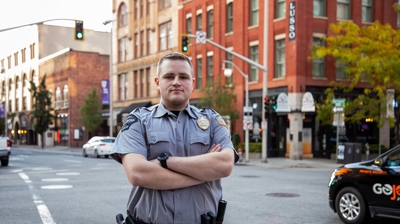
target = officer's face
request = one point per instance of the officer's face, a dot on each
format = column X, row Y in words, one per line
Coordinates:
column 175, row 83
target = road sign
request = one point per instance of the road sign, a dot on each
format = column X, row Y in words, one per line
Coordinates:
column 338, row 102
column 338, row 109
column 201, row 37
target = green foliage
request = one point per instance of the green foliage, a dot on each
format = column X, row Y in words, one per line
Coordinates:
column 370, row 56
column 253, row 146
column 90, row 111
column 220, row 98
column 42, row 115
column 235, row 139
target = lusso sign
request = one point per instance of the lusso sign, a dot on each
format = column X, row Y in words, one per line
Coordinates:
column 292, row 20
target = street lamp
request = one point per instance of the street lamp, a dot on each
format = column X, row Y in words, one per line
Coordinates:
column 3, row 71
column 228, row 73
column 110, row 82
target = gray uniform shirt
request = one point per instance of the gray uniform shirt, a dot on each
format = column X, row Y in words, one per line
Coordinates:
column 154, row 130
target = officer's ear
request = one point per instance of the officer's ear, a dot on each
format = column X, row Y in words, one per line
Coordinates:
column 157, row 81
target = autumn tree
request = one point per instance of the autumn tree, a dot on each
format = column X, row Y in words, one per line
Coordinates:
column 91, row 111
column 42, row 116
column 220, row 98
column 370, row 56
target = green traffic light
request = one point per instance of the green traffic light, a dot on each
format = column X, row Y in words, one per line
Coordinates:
column 79, row 35
column 185, row 49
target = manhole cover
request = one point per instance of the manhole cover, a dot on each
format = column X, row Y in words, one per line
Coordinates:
column 249, row 176
column 283, row 195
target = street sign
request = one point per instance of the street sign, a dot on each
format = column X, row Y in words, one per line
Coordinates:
column 338, row 109
column 338, row 102
column 201, row 37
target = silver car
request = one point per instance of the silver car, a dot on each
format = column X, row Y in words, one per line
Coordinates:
column 98, row 146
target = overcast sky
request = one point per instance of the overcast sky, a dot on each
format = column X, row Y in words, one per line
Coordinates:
column 21, row 12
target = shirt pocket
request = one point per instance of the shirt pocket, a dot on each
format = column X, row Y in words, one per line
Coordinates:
column 158, row 142
column 199, row 143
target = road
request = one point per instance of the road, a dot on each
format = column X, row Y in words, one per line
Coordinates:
column 58, row 187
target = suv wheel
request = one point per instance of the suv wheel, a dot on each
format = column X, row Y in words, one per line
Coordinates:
column 350, row 206
column 4, row 162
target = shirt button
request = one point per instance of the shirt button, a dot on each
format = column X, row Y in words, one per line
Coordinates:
column 179, row 139
column 178, row 195
column 178, row 214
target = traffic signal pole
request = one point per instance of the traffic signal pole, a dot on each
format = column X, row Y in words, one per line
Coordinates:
column 30, row 24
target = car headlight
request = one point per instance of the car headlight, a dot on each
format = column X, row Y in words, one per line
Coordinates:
column 337, row 173
column 331, row 181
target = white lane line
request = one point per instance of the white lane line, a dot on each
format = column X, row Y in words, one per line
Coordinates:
column 72, row 161
column 41, row 207
column 55, row 179
column 68, row 174
column 56, row 187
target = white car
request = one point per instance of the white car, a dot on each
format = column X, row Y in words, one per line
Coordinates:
column 98, row 146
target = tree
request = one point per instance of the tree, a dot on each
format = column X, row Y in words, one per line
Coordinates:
column 220, row 98
column 370, row 57
column 42, row 115
column 90, row 111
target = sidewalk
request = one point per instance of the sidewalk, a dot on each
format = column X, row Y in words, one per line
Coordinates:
column 275, row 162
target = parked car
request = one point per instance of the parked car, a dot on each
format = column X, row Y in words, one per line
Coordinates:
column 5, row 150
column 98, row 146
column 359, row 191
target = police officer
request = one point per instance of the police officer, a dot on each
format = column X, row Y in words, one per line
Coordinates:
column 173, row 153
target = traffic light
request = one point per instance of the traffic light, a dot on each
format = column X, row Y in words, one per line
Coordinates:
column 273, row 103
column 79, row 30
column 184, row 44
column 266, row 104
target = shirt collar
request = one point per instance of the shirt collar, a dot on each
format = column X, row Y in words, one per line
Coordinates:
column 161, row 110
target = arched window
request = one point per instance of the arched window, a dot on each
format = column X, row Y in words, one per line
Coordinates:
column 65, row 96
column 122, row 15
column 58, row 98
column 17, row 93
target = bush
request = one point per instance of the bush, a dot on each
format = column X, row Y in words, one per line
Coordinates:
column 235, row 140
column 253, row 146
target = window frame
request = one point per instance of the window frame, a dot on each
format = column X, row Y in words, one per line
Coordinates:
column 210, row 23
column 280, row 66
column 123, row 15
column 346, row 5
column 229, row 17
column 254, row 55
column 321, row 6
column 318, row 41
column 209, row 68
column 367, row 11
column 254, row 13
column 199, row 74
column 280, row 4
column 165, row 36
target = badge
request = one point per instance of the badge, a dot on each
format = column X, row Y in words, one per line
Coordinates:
column 220, row 120
column 130, row 119
column 203, row 123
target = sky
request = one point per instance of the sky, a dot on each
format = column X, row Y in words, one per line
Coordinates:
column 21, row 12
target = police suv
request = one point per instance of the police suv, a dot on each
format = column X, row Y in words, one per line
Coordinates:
column 359, row 191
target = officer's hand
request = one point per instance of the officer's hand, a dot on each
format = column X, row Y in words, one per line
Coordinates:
column 215, row 148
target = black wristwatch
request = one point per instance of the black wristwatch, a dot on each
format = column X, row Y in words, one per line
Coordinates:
column 163, row 159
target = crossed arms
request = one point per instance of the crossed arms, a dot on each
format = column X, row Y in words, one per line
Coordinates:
column 182, row 171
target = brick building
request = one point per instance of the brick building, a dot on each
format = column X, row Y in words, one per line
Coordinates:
column 70, row 76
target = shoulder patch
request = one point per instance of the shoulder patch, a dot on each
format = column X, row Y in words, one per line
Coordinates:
column 220, row 120
column 130, row 119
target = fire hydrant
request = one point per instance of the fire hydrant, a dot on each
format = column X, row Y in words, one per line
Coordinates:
column 240, row 151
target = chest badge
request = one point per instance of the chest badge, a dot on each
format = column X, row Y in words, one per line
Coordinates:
column 203, row 123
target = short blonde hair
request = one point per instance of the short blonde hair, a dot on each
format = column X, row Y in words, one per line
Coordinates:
column 174, row 56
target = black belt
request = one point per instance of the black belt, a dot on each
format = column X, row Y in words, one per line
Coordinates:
column 131, row 220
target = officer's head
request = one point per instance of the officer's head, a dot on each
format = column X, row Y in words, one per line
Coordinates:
column 173, row 56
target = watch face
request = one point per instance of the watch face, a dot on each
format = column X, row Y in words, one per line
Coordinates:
column 163, row 156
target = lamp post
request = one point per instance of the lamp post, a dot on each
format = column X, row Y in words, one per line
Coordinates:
column 228, row 73
column 110, row 82
column 3, row 71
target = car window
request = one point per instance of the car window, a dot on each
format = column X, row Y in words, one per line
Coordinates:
column 393, row 159
column 108, row 140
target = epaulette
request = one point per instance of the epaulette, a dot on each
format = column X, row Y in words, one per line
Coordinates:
column 205, row 108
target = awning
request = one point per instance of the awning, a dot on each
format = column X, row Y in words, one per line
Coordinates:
column 121, row 116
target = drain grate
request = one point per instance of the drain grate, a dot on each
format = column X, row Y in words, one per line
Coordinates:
column 283, row 195
column 249, row 176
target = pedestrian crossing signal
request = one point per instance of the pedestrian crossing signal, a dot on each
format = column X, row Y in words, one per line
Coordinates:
column 184, row 44
column 79, row 30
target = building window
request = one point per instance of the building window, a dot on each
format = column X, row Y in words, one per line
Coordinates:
column 209, row 69
column 165, row 39
column 340, row 73
column 136, row 45
column 65, row 96
column 199, row 65
column 343, row 9
column 141, row 8
column 142, row 82
column 229, row 17
column 280, row 58
column 318, row 63
column 135, row 84
column 24, row 103
column 58, row 98
column 122, row 49
column 148, row 7
column 398, row 19
column 142, row 43
column 32, row 48
column 280, row 9
column 16, row 59
column 253, row 12
column 8, row 62
column 148, row 81
column 122, row 85
column 135, row 9
column 210, row 23
column 162, row 4
column 122, row 15
column 148, row 41
column 229, row 57
column 199, row 22
column 367, row 10
column 319, row 8
column 189, row 25
column 254, row 57
column 23, row 55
